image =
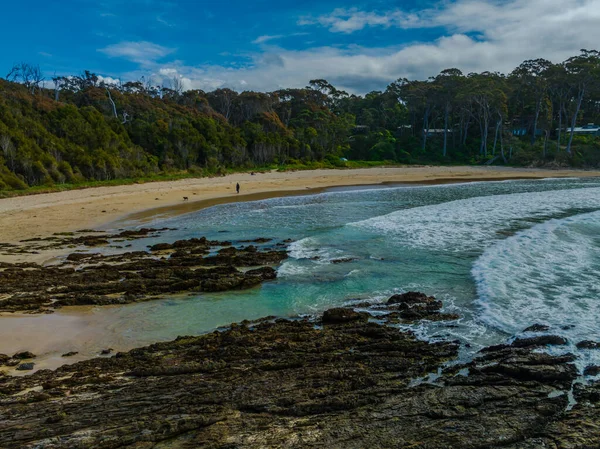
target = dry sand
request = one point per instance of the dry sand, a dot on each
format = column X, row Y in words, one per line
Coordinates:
column 109, row 207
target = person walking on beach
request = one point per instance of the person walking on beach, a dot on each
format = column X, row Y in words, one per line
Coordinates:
column 237, row 187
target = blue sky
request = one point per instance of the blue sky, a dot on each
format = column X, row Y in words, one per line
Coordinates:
column 265, row 45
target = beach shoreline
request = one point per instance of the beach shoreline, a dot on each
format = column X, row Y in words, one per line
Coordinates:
column 119, row 206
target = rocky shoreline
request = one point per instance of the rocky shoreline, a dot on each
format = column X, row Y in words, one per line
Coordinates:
column 94, row 278
column 344, row 380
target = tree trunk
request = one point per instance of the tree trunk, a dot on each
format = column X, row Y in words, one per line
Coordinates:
column 425, row 128
column 496, row 136
column 114, row 106
column 538, row 106
column 466, row 134
column 481, row 133
column 574, row 119
column 560, row 115
column 446, row 129
column 502, row 146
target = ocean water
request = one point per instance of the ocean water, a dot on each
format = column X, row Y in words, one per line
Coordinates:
column 502, row 255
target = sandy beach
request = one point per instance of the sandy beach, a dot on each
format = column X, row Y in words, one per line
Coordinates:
column 105, row 207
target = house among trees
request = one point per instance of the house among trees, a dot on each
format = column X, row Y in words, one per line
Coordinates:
column 588, row 130
column 524, row 131
column 361, row 129
column 437, row 132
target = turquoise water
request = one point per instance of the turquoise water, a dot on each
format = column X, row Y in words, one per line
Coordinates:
column 503, row 255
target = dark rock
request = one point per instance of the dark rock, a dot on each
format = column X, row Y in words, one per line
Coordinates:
column 280, row 383
column 537, row 328
column 343, row 260
column 3, row 359
column 343, row 315
column 587, row 344
column 410, row 298
column 23, row 355
column 26, row 366
column 106, row 351
column 77, row 257
column 258, row 240
column 161, row 247
column 592, row 370
column 70, row 354
column 416, row 306
column 543, row 340
column 134, row 276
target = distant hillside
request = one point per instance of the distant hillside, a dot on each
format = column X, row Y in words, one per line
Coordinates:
column 87, row 130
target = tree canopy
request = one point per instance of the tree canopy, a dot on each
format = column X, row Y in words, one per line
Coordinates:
column 86, row 129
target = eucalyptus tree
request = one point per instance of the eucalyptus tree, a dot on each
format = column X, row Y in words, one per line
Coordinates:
column 531, row 79
column 223, row 101
column 583, row 72
column 420, row 98
column 486, row 91
column 448, row 82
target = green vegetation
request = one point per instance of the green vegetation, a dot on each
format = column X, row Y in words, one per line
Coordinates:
column 85, row 132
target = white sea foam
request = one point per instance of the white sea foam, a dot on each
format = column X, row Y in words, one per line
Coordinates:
column 318, row 252
column 547, row 274
column 302, row 249
column 474, row 223
column 291, row 269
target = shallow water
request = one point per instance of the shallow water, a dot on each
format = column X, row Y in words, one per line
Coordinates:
column 503, row 255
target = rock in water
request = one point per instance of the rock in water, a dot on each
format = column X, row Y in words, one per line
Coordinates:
column 25, row 366
column 544, row 340
column 23, row 355
column 537, row 328
column 343, row 315
column 414, row 306
column 587, row 344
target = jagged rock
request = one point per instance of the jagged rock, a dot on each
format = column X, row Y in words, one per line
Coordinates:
column 343, row 315
column 411, row 298
column 161, row 247
column 280, row 383
column 135, row 276
column 23, row 355
column 414, row 306
column 343, row 260
column 537, row 328
column 78, row 257
column 70, row 354
column 26, row 366
column 592, row 370
column 542, row 340
column 587, row 344
column 3, row 359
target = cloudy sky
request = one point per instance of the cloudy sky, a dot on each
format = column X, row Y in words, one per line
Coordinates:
column 266, row 45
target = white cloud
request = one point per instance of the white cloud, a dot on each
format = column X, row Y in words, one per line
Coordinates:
column 109, row 80
column 144, row 53
column 342, row 20
column 476, row 35
column 266, row 38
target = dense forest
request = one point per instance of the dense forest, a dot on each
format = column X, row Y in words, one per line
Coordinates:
column 80, row 128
